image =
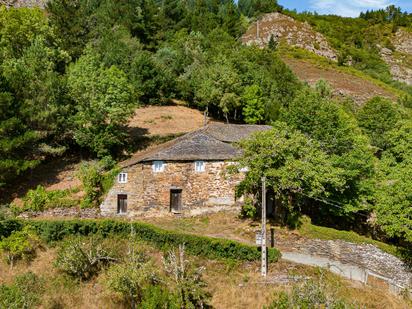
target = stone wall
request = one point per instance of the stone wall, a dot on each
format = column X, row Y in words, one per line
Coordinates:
column 148, row 193
column 363, row 262
column 73, row 212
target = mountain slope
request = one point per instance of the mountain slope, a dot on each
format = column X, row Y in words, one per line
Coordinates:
column 344, row 84
column 311, row 57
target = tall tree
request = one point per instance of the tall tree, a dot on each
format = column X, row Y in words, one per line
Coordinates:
column 393, row 196
column 295, row 166
column 338, row 134
column 376, row 118
column 104, row 101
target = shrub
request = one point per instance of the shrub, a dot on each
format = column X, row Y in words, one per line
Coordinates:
column 156, row 296
column 40, row 199
column 25, row 292
column 188, row 280
column 20, row 245
column 132, row 277
column 311, row 295
column 248, row 209
column 97, row 178
column 84, row 258
column 36, row 199
column 10, row 225
column 212, row 248
column 5, row 212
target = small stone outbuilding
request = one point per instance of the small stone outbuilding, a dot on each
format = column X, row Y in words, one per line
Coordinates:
column 187, row 175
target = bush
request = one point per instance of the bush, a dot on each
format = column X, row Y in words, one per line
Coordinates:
column 248, row 209
column 10, row 225
column 40, row 199
column 212, row 248
column 187, row 279
column 155, row 296
column 25, row 292
column 84, row 258
column 310, row 295
column 131, row 278
column 97, row 178
column 20, row 245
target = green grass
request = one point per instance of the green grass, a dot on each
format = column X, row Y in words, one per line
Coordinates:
column 310, row 230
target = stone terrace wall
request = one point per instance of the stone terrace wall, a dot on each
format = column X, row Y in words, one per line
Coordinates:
column 149, row 193
column 378, row 265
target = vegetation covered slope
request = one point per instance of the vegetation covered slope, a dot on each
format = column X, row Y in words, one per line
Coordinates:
column 359, row 41
column 375, row 53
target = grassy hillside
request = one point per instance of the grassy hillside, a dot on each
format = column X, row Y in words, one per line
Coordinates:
column 42, row 279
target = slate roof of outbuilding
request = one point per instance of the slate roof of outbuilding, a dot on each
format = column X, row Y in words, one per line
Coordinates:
column 212, row 142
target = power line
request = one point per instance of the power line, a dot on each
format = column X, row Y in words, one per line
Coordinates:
column 329, row 202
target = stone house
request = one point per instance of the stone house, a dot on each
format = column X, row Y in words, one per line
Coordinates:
column 187, row 175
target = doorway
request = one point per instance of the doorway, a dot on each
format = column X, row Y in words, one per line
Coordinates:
column 121, row 203
column 176, row 200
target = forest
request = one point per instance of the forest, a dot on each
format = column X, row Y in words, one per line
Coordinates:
column 71, row 75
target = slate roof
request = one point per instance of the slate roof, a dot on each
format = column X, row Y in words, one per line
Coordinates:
column 231, row 133
column 212, row 142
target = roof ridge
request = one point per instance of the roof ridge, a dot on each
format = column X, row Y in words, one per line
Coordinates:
column 217, row 144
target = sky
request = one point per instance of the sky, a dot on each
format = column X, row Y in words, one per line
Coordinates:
column 350, row 8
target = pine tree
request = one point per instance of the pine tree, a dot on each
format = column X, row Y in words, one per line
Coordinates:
column 273, row 44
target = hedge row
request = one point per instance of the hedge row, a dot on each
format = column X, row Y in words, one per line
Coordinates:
column 213, row 248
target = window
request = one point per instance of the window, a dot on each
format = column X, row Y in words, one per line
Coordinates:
column 158, row 166
column 122, row 178
column 121, row 204
column 199, row 166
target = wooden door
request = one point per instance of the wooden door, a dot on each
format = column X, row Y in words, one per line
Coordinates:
column 175, row 200
column 121, row 203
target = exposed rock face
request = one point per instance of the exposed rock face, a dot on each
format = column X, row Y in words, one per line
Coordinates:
column 400, row 59
column 23, row 3
column 403, row 41
column 294, row 33
column 398, row 65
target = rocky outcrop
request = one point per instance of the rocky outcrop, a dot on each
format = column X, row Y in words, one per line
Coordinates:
column 403, row 41
column 23, row 3
column 294, row 33
column 398, row 65
column 399, row 58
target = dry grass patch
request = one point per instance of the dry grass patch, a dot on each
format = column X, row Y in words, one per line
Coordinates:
column 165, row 120
column 231, row 283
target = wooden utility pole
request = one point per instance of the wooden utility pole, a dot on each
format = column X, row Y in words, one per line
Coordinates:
column 257, row 29
column 264, row 255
